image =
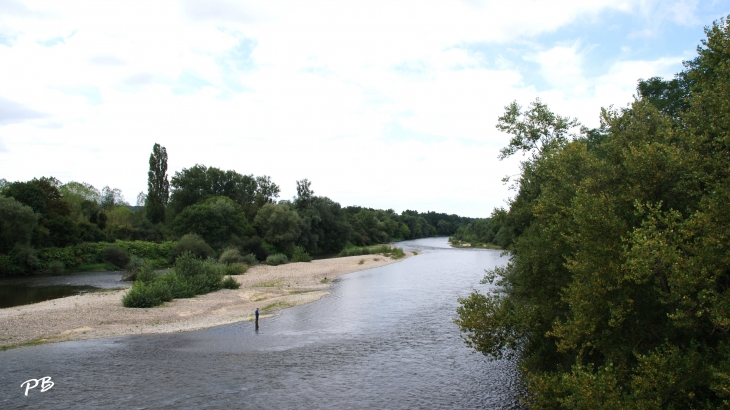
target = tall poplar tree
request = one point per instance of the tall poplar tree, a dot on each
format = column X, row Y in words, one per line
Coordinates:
column 158, row 186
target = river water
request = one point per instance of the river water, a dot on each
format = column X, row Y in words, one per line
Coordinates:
column 384, row 338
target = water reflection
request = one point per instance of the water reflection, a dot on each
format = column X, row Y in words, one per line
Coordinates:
column 23, row 290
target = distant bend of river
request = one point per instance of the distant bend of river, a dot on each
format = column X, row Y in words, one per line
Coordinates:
column 384, row 338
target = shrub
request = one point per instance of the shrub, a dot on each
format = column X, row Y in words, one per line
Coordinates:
column 235, row 269
column 190, row 276
column 229, row 256
column 145, row 274
column 250, row 259
column 55, row 267
column 143, row 295
column 276, row 259
column 300, row 255
column 230, row 283
column 116, row 256
column 387, row 250
column 194, row 244
column 139, row 296
column 25, row 258
column 133, row 267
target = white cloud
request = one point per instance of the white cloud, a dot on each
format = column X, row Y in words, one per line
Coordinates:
column 294, row 90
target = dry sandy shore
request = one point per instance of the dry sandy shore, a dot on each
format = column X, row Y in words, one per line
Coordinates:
column 101, row 314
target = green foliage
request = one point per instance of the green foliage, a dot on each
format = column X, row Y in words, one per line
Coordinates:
column 236, row 268
column 229, row 256
column 279, row 225
column 54, row 267
column 535, row 130
column 276, row 259
column 250, row 259
column 134, row 266
column 158, row 187
column 300, row 255
column 230, row 283
column 25, row 258
column 617, row 287
column 215, row 220
column 485, row 232
column 191, row 276
column 17, row 223
column 116, row 256
column 387, row 250
column 194, row 244
column 198, row 183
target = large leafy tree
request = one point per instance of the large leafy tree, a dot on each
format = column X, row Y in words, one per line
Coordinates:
column 616, row 294
column 158, row 186
column 17, row 223
column 324, row 224
column 279, row 225
column 55, row 226
column 198, row 183
column 216, row 220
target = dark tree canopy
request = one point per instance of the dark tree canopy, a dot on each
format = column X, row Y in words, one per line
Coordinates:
column 616, row 293
column 158, row 186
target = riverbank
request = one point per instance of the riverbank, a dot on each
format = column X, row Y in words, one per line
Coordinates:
column 460, row 244
column 101, row 314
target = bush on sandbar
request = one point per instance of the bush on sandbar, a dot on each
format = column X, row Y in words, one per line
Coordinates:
column 387, row 250
column 190, row 276
column 276, row 259
column 300, row 255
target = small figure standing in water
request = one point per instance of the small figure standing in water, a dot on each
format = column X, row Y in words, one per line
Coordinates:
column 257, row 318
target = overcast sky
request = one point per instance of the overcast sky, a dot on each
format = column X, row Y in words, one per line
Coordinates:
column 384, row 104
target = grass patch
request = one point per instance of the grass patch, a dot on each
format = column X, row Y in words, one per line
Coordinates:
column 474, row 245
column 387, row 250
column 361, row 261
column 24, row 344
column 230, row 283
column 96, row 267
column 297, row 292
column 270, row 284
column 276, row 306
column 325, row 280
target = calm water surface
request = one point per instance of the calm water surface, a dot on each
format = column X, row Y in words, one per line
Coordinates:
column 384, row 338
column 23, row 290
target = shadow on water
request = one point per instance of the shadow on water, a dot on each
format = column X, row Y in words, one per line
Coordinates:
column 383, row 338
column 24, row 290
column 24, row 295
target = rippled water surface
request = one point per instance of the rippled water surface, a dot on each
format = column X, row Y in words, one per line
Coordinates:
column 384, row 338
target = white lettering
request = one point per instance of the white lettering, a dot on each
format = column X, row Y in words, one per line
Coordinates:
column 28, row 386
column 46, row 384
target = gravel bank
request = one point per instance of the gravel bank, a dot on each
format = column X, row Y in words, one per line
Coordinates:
column 101, row 314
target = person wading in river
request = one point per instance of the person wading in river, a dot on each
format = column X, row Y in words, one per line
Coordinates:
column 257, row 317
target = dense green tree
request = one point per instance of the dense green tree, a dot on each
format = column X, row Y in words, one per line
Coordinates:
column 158, row 186
column 198, row 183
column 279, row 225
column 216, row 220
column 324, row 224
column 617, row 287
column 55, row 226
column 17, row 223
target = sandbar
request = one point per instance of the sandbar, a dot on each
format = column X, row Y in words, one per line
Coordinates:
column 101, row 314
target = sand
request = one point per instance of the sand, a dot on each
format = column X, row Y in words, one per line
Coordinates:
column 101, row 314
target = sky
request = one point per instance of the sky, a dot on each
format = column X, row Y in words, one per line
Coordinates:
column 382, row 104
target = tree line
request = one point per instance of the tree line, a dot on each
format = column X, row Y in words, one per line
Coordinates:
column 222, row 208
column 616, row 292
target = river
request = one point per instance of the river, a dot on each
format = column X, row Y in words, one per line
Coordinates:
column 384, row 338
